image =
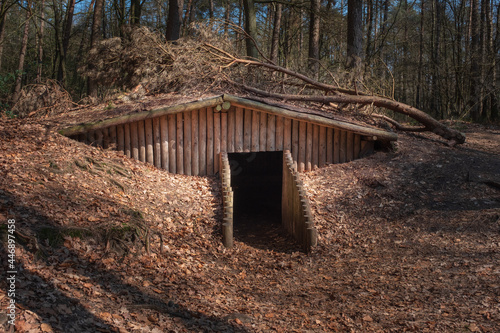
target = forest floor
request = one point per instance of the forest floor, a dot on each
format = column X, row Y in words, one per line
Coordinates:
column 409, row 240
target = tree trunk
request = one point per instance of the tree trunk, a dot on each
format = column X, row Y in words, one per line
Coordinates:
column 39, row 69
column 354, row 34
column 174, row 19
column 94, row 38
column 475, row 70
column 24, row 45
column 314, row 24
column 135, row 12
column 250, row 28
column 68, row 23
column 3, row 16
column 275, row 42
column 418, row 97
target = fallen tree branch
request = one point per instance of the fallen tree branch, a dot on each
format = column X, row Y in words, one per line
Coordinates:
column 400, row 127
column 431, row 124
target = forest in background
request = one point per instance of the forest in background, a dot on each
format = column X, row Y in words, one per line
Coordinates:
column 439, row 56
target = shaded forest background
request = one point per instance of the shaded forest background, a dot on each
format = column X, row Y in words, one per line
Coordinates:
column 439, row 56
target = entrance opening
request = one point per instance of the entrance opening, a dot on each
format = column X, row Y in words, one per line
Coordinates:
column 256, row 179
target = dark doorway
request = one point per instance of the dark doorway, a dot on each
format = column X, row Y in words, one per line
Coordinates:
column 256, row 179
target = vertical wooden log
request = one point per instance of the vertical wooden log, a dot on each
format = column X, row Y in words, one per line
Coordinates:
column 202, row 128
column 263, row 131
column 255, row 130
column 231, row 123
column 187, row 143
column 142, row 140
column 195, row 148
column 357, row 145
column 217, row 140
column 350, row 146
column 172, row 143
column 336, row 146
column 309, row 146
column 223, row 132
column 247, row 131
column 322, row 146
column 210, row 141
column 164, row 146
column 127, row 140
column 295, row 143
column 120, row 138
column 301, row 163
column 134, row 140
column 287, row 135
column 279, row 133
column 271, row 132
column 148, row 128
column 180, row 143
column 315, row 150
column 329, row 145
column 343, row 147
column 113, row 142
column 238, row 131
column 156, row 142
column 98, row 138
column 105, row 138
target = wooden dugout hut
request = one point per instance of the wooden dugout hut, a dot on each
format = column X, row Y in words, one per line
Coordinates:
column 187, row 138
column 195, row 137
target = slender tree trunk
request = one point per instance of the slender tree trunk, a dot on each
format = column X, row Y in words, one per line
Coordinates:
column 94, row 38
column 250, row 28
column 68, row 23
column 314, row 24
column 135, row 12
column 39, row 70
column 418, row 102
column 3, row 16
column 174, row 19
column 475, row 72
column 24, row 45
column 354, row 34
column 276, row 33
column 369, row 31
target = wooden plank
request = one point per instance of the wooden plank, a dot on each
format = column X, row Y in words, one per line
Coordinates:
column 195, row 148
column 98, row 137
column 187, row 143
column 231, row 123
column 172, row 143
column 217, row 139
column 271, row 132
column 329, row 145
column 279, row 133
column 120, row 138
column 202, row 128
column 105, row 138
column 315, row 150
column 247, row 131
column 157, row 153
column 180, row 143
column 238, row 131
column 350, row 146
column 112, row 137
column 263, row 131
column 164, row 147
column 127, row 141
column 142, row 140
column 295, row 142
column 322, row 146
column 210, row 141
column 134, row 141
column 357, row 145
column 287, row 134
column 309, row 147
column 301, row 162
column 148, row 128
column 223, row 132
column 343, row 147
column 336, row 146
column 255, row 130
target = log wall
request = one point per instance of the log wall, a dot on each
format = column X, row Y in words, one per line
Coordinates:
column 296, row 216
column 227, row 200
column 190, row 142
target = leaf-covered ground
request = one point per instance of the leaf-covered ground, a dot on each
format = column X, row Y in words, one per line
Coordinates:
column 409, row 241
